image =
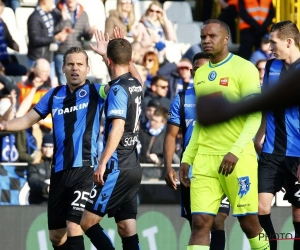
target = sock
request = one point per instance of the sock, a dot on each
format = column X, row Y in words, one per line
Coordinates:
column 131, row 243
column 75, row 243
column 297, row 235
column 217, row 240
column 267, row 225
column 99, row 238
column 259, row 243
column 194, row 247
column 61, row 247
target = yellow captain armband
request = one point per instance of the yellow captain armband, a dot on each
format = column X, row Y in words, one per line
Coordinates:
column 102, row 91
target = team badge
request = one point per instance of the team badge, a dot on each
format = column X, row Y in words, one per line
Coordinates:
column 244, row 183
column 82, row 93
column 212, row 75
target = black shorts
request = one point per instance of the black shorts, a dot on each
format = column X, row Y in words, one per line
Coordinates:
column 185, row 203
column 118, row 196
column 275, row 172
column 69, row 191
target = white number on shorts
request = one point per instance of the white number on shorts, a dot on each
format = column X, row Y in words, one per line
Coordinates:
column 83, row 196
column 297, row 194
column 93, row 192
column 225, row 201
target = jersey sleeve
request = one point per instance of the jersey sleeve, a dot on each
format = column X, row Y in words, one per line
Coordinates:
column 42, row 107
column 174, row 113
column 117, row 103
column 249, row 87
column 192, row 148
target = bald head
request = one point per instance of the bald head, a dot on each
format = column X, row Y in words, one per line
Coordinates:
column 42, row 69
column 224, row 27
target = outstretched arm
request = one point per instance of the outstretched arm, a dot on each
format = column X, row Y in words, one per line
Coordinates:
column 21, row 123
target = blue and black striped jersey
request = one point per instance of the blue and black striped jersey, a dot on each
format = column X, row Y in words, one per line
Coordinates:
column 282, row 126
column 76, row 124
column 189, row 116
column 124, row 102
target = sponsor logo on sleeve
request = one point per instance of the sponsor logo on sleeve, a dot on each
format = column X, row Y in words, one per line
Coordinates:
column 115, row 90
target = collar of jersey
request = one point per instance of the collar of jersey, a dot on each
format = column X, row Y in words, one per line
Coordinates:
column 79, row 87
column 126, row 75
column 230, row 55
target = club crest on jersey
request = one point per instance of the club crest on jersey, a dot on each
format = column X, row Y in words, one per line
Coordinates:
column 212, row 75
column 82, row 93
column 224, row 81
column 244, row 183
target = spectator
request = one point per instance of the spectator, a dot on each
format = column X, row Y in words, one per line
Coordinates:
column 154, row 29
column 150, row 109
column 228, row 15
column 75, row 19
column 38, row 175
column 262, row 53
column 261, row 65
column 8, row 145
column 179, row 76
column 6, row 85
column 151, row 63
column 253, row 24
column 44, row 34
column 152, row 137
column 32, row 90
column 12, row 67
column 123, row 17
column 158, row 93
column 20, row 146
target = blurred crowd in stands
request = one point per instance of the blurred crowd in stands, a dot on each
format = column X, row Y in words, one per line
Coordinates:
column 54, row 26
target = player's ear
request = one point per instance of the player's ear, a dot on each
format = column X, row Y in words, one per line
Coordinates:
column 289, row 42
column 108, row 62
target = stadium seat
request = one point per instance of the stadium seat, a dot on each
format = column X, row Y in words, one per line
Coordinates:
column 173, row 51
column 9, row 18
column 187, row 32
column 233, row 47
column 96, row 12
column 22, row 14
column 110, row 5
column 178, row 11
column 28, row 3
column 140, row 8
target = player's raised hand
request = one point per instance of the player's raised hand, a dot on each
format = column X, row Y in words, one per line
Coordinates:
column 118, row 32
column 102, row 42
